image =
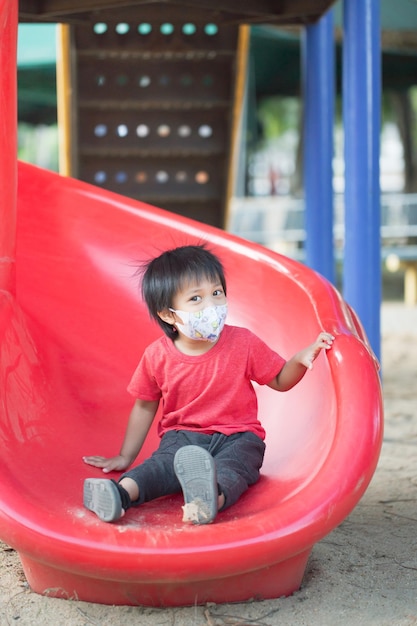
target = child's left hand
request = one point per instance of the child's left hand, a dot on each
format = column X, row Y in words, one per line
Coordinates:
column 323, row 342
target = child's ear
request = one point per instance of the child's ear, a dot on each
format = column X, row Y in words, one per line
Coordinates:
column 167, row 316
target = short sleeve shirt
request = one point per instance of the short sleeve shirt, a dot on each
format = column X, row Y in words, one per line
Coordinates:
column 211, row 392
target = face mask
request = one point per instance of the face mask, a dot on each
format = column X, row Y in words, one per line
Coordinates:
column 204, row 325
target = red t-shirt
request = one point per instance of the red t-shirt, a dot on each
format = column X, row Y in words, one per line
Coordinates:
column 210, row 392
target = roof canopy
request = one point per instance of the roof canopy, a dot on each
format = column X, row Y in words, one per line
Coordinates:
column 277, row 63
column 276, row 53
column 249, row 11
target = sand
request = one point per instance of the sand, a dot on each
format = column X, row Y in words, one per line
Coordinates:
column 363, row 573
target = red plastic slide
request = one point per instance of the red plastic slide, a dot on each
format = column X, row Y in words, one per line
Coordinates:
column 69, row 341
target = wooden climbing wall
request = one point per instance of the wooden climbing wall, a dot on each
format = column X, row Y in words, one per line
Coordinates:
column 151, row 99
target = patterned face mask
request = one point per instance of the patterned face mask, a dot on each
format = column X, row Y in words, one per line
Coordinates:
column 204, row 325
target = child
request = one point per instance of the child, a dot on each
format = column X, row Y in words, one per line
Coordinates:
column 212, row 443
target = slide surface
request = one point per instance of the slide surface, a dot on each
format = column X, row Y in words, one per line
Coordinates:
column 69, row 341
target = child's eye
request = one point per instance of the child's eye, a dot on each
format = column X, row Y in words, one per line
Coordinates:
column 195, row 299
column 217, row 292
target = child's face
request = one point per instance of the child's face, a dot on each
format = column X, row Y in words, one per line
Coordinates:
column 196, row 296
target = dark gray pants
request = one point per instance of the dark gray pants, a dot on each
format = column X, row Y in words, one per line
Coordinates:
column 238, row 459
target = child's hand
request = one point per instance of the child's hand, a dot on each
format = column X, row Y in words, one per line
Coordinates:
column 116, row 463
column 323, row 342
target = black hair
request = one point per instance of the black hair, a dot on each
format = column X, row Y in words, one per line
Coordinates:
column 165, row 275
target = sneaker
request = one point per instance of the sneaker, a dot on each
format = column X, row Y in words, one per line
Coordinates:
column 102, row 497
column 196, row 471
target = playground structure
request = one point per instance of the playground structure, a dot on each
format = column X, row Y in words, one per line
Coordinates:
column 143, row 79
column 72, row 328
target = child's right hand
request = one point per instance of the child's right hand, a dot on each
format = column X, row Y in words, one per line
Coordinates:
column 115, row 464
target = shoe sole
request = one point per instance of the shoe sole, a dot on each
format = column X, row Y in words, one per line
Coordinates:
column 196, row 472
column 102, row 497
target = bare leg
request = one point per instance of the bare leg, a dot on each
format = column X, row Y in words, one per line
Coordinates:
column 131, row 488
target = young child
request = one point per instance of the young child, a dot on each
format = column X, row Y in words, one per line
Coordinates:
column 212, row 443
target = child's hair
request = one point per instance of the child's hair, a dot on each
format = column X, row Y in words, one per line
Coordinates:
column 167, row 274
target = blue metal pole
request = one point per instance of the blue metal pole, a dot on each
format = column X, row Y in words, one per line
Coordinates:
column 318, row 68
column 361, row 117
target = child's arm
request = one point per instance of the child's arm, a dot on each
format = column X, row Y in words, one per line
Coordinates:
column 296, row 367
column 140, row 420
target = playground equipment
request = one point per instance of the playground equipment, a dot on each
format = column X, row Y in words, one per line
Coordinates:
column 72, row 327
column 70, row 340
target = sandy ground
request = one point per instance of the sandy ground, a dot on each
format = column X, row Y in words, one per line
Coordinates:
column 364, row 572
